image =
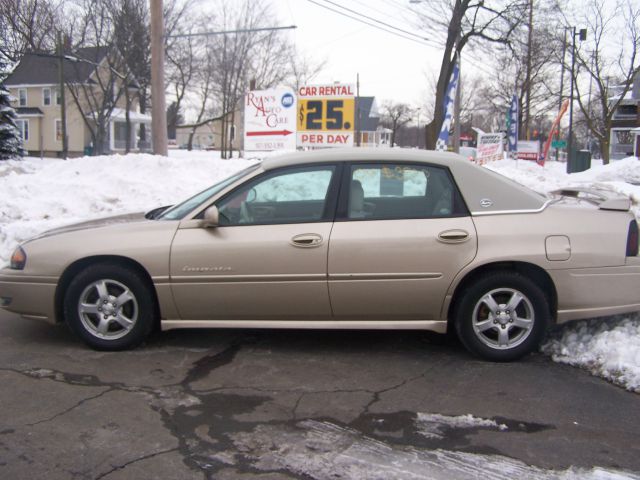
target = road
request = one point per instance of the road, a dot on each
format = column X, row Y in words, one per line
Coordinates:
column 298, row 405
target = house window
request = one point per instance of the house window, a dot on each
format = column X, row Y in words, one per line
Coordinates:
column 58, row 96
column 46, row 97
column 22, row 96
column 23, row 127
column 58, row 130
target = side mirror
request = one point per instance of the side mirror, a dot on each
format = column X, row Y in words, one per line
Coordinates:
column 211, row 217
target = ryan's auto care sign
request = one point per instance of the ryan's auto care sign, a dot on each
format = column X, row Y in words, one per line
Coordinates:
column 326, row 115
column 490, row 147
column 270, row 120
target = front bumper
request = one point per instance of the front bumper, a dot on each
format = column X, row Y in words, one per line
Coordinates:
column 28, row 296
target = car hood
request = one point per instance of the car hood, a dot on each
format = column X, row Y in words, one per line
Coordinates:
column 90, row 224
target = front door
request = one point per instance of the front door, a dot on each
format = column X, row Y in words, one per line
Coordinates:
column 268, row 257
column 398, row 241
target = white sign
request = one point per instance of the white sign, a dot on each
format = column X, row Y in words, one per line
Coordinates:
column 270, row 120
column 528, row 150
column 326, row 115
column 490, row 147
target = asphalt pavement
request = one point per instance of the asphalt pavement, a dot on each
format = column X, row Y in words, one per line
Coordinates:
column 299, row 404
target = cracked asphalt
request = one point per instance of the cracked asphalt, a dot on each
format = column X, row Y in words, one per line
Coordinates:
column 202, row 404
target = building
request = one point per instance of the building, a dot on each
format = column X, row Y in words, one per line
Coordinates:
column 35, row 85
column 372, row 134
column 624, row 121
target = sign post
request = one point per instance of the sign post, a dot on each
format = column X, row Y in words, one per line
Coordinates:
column 270, row 120
column 326, row 115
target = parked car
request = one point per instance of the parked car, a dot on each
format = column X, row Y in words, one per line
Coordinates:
column 341, row 239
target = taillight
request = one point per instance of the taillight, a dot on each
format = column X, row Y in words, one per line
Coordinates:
column 632, row 239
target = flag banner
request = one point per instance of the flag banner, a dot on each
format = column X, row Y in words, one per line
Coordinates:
column 512, row 125
column 449, row 102
column 555, row 126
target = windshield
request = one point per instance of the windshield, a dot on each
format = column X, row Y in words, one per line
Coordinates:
column 177, row 212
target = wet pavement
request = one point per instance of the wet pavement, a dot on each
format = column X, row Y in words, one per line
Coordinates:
column 299, row 404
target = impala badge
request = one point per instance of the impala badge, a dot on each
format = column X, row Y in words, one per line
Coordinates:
column 485, row 203
column 206, row 269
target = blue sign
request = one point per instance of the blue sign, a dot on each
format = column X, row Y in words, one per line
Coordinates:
column 287, row 100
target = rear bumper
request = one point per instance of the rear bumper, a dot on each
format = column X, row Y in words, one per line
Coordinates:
column 29, row 296
column 595, row 292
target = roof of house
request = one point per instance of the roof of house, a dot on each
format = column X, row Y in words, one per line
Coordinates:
column 41, row 68
column 29, row 112
column 369, row 117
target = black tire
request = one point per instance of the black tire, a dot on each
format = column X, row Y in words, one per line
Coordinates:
column 499, row 332
column 97, row 310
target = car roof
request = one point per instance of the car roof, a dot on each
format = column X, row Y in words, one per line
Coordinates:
column 484, row 191
column 361, row 154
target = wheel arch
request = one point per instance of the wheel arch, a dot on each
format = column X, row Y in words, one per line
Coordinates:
column 529, row 270
column 79, row 265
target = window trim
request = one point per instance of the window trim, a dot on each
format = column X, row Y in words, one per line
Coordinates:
column 331, row 203
column 342, row 213
column 26, row 97
column 44, row 96
column 24, row 132
column 55, row 130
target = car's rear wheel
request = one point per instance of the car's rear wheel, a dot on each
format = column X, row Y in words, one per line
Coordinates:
column 502, row 316
column 110, row 307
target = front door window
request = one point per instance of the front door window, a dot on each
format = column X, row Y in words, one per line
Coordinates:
column 296, row 195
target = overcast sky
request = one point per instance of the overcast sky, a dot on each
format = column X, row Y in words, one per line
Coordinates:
column 390, row 67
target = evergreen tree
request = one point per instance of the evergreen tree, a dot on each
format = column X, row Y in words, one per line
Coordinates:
column 10, row 138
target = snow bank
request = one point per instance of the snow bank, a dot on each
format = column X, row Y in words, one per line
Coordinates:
column 36, row 195
column 608, row 347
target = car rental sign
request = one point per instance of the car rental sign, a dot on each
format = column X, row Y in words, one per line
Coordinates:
column 326, row 115
column 270, row 120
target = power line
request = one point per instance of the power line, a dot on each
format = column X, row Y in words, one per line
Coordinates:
column 223, row 32
column 406, row 32
column 421, row 42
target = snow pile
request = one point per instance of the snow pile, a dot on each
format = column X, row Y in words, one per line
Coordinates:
column 609, row 347
column 37, row 195
column 434, row 425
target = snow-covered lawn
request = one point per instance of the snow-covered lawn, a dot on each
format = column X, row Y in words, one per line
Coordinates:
column 37, row 195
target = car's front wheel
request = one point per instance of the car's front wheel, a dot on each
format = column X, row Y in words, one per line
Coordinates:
column 502, row 316
column 110, row 307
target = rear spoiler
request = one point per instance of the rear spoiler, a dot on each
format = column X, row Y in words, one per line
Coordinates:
column 596, row 197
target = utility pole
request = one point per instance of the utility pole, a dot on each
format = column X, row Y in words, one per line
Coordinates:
column 456, row 105
column 564, row 51
column 358, row 127
column 63, row 103
column 528, row 79
column 570, row 156
column 158, row 105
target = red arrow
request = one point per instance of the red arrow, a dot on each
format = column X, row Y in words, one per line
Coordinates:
column 275, row 132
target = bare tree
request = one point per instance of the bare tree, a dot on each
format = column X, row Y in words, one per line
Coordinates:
column 303, row 69
column 95, row 80
column 598, row 63
column 27, row 25
column 395, row 116
column 460, row 23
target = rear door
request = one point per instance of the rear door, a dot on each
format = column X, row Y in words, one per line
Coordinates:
column 401, row 235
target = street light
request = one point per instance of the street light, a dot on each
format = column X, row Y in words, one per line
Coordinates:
column 582, row 34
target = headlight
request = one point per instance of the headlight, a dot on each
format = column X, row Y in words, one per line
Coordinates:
column 18, row 259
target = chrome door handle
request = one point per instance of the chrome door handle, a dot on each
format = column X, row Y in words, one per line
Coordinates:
column 307, row 240
column 453, row 236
